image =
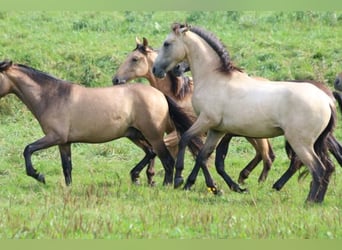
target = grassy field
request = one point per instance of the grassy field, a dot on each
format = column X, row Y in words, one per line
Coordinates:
column 87, row 48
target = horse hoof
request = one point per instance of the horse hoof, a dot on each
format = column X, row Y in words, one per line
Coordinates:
column 276, row 187
column 41, row 178
column 240, row 190
column 178, row 182
column 215, row 190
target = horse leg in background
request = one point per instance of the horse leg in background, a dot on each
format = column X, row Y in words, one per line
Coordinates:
column 138, row 139
column 210, row 144
column 221, row 153
column 43, row 143
column 264, row 152
column 295, row 164
column 335, row 148
column 171, row 141
column 65, row 153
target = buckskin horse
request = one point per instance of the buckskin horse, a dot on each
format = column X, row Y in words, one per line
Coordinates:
column 69, row 113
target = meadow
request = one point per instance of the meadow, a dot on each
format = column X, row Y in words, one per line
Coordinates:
column 86, row 48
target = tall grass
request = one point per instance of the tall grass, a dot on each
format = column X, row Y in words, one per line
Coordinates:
column 87, row 47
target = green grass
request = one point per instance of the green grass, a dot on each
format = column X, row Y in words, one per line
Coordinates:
column 87, row 47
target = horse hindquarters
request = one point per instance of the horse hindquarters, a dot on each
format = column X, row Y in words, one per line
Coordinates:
column 315, row 157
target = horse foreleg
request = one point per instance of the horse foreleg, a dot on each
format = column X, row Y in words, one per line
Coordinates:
column 65, row 152
column 45, row 142
column 147, row 160
column 202, row 159
column 198, row 127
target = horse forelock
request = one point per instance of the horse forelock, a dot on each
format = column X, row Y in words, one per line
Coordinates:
column 227, row 65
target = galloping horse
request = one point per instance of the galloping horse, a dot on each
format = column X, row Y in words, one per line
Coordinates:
column 69, row 113
column 180, row 88
column 227, row 100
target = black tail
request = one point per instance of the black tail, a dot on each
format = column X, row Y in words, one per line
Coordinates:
column 338, row 98
column 322, row 144
column 183, row 122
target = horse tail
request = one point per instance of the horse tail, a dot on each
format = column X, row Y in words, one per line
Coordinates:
column 338, row 98
column 183, row 121
column 321, row 145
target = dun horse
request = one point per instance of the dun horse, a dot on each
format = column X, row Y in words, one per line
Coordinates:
column 333, row 145
column 180, row 88
column 69, row 113
column 227, row 100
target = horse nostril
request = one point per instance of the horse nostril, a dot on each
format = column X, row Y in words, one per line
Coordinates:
column 153, row 70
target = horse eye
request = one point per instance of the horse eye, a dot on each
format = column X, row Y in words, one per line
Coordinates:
column 135, row 59
column 166, row 44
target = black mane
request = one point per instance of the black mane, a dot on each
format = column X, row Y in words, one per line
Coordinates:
column 180, row 85
column 37, row 75
column 227, row 65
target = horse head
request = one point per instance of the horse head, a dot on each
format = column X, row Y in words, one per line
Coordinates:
column 136, row 64
column 338, row 82
column 172, row 51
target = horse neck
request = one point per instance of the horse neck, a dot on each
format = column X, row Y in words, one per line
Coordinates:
column 201, row 57
column 28, row 91
column 164, row 84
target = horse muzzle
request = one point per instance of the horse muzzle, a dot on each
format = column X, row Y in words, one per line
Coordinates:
column 116, row 80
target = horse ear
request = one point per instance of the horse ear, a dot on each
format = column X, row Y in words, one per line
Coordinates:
column 180, row 28
column 137, row 40
column 146, row 47
column 184, row 28
column 145, row 42
column 4, row 65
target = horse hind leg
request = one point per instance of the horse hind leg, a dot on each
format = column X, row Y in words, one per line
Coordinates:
column 138, row 139
column 322, row 151
column 221, row 152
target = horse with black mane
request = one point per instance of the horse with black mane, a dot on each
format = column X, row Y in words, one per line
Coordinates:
column 69, row 113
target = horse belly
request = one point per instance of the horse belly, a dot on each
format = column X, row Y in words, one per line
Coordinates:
column 97, row 130
column 251, row 128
